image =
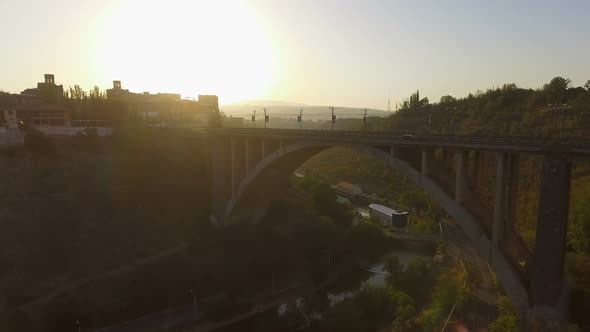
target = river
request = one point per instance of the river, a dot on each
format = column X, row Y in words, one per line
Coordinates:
column 344, row 287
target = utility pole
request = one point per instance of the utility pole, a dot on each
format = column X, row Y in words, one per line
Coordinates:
column 555, row 116
column 428, row 110
column 194, row 301
column 557, row 119
column 333, row 117
column 266, row 117
column 365, row 118
column 254, row 119
column 300, row 118
column 562, row 121
column 453, row 120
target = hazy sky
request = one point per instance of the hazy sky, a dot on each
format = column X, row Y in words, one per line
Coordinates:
column 321, row 52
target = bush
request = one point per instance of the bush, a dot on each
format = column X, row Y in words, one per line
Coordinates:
column 39, row 143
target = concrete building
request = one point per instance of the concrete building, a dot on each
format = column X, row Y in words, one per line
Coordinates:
column 346, row 189
column 30, row 110
column 389, row 217
column 47, row 91
column 232, row 121
column 164, row 107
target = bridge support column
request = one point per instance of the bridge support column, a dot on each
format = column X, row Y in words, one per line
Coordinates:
column 512, row 188
column 547, row 279
column 219, row 161
column 235, row 165
column 499, row 200
column 477, row 169
column 460, row 180
column 425, row 162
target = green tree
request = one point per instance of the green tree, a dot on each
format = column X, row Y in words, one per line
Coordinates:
column 344, row 317
column 507, row 321
column 447, row 100
column 395, row 269
column 417, row 279
column 558, row 84
column 404, row 312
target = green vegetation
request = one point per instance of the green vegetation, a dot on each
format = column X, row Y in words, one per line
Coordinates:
column 510, row 110
column 505, row 110
column 507, row 321
column 341, row 164
column 370, row 308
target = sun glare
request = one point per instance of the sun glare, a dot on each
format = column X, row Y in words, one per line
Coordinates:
column 190, row 47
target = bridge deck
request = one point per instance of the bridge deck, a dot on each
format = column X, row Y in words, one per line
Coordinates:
column 533, row 144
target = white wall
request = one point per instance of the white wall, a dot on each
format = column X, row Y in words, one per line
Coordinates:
column 10, row 137
column 72, row 131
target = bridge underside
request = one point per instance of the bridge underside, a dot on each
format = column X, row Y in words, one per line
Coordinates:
column 248, row 171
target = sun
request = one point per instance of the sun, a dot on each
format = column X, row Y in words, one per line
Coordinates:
column 189, row 47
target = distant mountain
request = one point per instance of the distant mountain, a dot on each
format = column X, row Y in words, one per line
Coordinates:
column 289, row 110
column 264, row 103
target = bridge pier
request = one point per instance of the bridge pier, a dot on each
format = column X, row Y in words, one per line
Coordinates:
column 426, row 159
column 247, row 155
column 221, row 186
column 262, row 148
column 549, row 294
column 460, row 176
column 499, row 200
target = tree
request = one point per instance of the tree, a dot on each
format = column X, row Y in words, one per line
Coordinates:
column 395, row 270
column 76, row 93
column 507, row 321
column 447, row 99
column 587, row 85
column 404, row 312
column 345, row 316
column 557, row 85
column 96, row 94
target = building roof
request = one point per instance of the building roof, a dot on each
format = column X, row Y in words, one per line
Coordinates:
column 385, row 209
column 348, row 186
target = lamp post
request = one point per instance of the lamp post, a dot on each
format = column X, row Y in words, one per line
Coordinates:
column 557, row 119
column 78, row 325
column 266, row 117
column 194, row 300
column 428, row 111
column 332, row 108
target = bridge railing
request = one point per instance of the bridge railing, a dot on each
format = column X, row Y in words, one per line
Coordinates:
column 507, row 140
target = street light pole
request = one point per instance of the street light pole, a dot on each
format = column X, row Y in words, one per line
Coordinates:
column 265, row 117
column 365, row 119
column 300, row 119
column 428, row 110
column 333, row 117
column 194, row 301
column 453, row 120
column 564, row 107
column 78, row 325
column 254, row 119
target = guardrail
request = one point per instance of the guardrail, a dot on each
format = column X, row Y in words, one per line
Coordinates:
column 513, row 142
column 11, row 138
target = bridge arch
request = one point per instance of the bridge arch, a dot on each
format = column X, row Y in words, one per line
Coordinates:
column 255, row 192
